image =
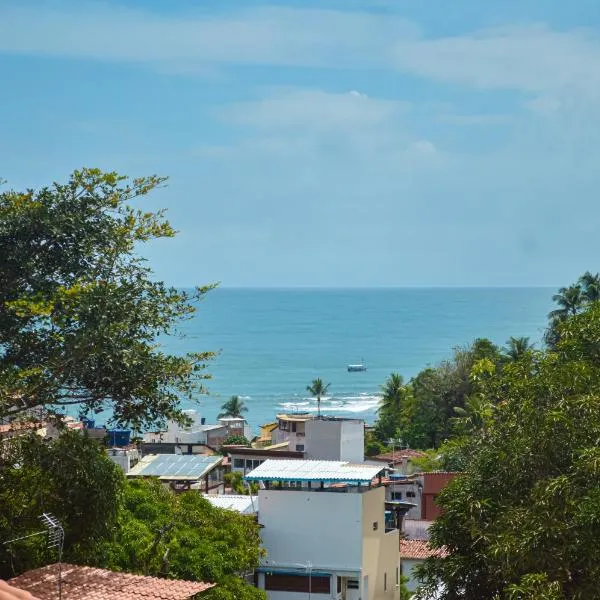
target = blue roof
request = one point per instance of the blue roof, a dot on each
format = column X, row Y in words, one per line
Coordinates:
column 175, row 466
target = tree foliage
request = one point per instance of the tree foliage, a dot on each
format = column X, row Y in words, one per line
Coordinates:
column 318, row 389
column 234, row 407
column 523, row 519
column 71, row 478
column 183, row 536
column 80, row 313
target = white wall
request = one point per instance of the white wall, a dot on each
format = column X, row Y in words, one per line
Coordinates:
column 335, row 440
column 323, row 528
column 352, row 447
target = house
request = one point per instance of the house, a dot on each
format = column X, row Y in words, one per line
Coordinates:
column 420, row 489
column 243, row 460
column 181, row 471
column 265, row 438
column 413, row 553
column 87, row 583
column 322, row 438
column 432, row 484
column 399, row 460
column 197, row 437
column 126, row 458
column 324, row 531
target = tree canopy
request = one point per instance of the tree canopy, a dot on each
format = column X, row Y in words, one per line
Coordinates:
column 81, row 316
column 318, row 389
column 523, row 520
column 71, row 478
column 234, row 407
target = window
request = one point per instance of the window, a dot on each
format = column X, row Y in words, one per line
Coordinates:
column 396, row 495
column 397, row 576
column 298, row 583
column 385, row 582
column 299, row 447
column 375, row 526
column 352, row 584
column 238, row 463
column 410, row 494
column 294, row 425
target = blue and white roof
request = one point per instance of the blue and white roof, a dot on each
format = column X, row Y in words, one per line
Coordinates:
column 314, row 470
column 242, row 504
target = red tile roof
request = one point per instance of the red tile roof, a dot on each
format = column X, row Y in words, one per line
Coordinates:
column 419, row 549
column 397, row 456
column 87, row 583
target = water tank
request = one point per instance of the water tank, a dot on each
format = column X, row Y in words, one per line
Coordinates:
column 119, row 437
column 88, row 423
column 202, row 420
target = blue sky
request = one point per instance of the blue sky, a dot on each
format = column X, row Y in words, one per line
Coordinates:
column 340, row 143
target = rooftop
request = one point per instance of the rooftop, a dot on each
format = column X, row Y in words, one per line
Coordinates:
column 419, row 549
column 87, row 583
column 398, row 455
column 175, row 467
column 314, row 470
column 242, row 504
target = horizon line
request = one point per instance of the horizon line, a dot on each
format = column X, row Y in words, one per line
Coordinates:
column 372, row 287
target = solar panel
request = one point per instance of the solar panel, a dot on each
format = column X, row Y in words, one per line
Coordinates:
column 175, row 465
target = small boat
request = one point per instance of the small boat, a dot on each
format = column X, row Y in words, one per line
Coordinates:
column 357, row 368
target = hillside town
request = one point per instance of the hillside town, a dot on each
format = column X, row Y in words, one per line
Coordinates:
column 333, row 523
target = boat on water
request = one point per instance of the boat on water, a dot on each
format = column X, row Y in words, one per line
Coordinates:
column 357, row 367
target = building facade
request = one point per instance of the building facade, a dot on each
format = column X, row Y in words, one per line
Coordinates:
column 324, row 532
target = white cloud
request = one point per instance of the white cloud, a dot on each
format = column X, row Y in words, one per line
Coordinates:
column 267, row 35
column 531, row 58
column 313, row 110
column 528, row 58
column 545, row 106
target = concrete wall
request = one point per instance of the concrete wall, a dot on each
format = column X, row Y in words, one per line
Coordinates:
column 380, row 549
column 323, row 528
column 335, row 440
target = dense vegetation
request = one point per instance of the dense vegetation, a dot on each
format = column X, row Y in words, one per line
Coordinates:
column 523, row 427
column 133, row 526
column 80, row 313
column 427, row 411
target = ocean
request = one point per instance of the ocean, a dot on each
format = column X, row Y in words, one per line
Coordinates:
column 272, row 343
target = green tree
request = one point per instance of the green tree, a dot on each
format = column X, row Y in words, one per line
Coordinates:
column 590, row 286
column 236, row 440
column 234, row 407
column 515, row 348
column 318, row 389
column 80, row 314
column 71, row 478
column 394, row 396
column 183, row 536
column 523, row 519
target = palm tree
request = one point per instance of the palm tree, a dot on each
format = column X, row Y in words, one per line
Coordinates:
column 516, row 347
column 318, row 389
column 394, row 393
column 590, row 285
column 570, row 300
column 234, row 407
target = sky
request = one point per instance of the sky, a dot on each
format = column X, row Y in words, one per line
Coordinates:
column 324, row 143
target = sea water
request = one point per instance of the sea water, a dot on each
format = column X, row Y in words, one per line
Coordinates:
column 272, row 343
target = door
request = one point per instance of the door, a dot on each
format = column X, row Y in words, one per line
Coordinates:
column 365, row 590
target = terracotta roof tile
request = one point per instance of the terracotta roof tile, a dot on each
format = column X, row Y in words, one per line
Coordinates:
column 87, row 583
column 419, row 549
column 398, row 455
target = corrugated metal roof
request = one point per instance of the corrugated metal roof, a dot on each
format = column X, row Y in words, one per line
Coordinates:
column 175, row 466
column 241, row 504
column 313, row 470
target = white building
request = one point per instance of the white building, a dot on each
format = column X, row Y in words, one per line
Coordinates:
column 322, row 438
column 324, row 530
column 199, row 432
column 126, row 458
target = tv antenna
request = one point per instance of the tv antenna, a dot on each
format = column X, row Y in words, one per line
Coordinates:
column 56, row 539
